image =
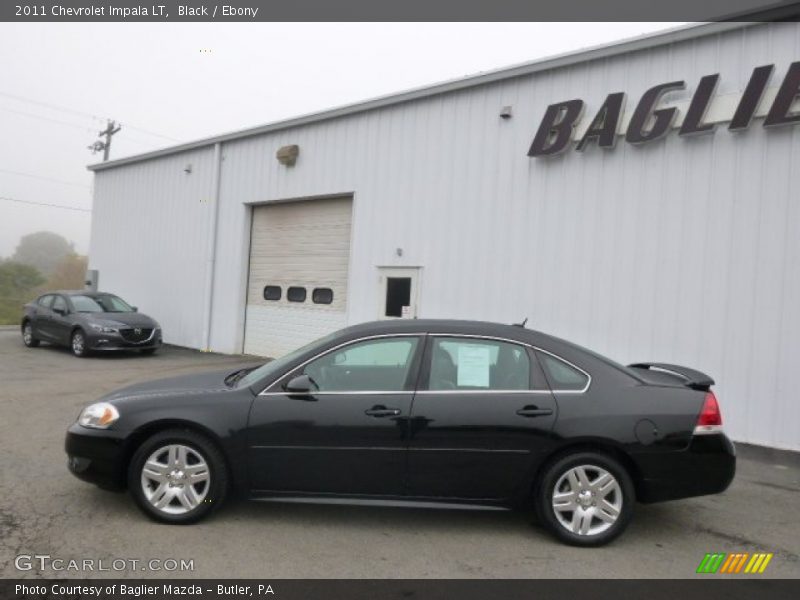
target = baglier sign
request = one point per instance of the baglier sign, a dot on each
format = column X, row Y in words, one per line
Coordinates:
column 649, row 123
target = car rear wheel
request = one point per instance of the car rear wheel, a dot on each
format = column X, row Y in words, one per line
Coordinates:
column 77, row 343
column 178, row 477
column 27, row 335
column 585, row 499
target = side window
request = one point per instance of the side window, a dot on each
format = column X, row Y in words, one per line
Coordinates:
column 60, row 304
column 562, row 376
column 45, row 301
column 380, row 365
column 474, row 364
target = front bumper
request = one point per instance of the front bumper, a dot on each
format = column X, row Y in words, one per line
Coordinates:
column 96, row 456
column 102, row 342
column 706, row 467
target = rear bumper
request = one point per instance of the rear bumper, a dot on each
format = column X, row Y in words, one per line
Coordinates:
column 706, row 467
column 96, row 456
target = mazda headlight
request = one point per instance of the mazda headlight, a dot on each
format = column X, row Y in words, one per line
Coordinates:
column 98, row 416
column 103, row 328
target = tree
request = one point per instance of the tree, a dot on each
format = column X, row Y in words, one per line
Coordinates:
column 43, row 250
column 69, row 274
column 18, row 283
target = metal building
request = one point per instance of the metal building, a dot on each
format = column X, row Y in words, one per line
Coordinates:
column 437, row 203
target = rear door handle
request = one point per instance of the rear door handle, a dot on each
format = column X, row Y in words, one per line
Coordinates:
column 534, row 411
column 381, row 411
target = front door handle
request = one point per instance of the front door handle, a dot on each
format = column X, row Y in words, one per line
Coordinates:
column 534, row 411
column 381, row 411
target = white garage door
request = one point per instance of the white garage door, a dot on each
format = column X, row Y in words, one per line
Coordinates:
column 297, row 291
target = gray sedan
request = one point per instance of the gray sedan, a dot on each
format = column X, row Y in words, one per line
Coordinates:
column 88, row 321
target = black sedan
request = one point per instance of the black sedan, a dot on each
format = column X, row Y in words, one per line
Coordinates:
column 88, row 321
column 423, row 412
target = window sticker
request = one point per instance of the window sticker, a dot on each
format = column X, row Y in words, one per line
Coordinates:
column 473, row 366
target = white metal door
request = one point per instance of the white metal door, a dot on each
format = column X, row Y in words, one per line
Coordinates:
column 297, row 289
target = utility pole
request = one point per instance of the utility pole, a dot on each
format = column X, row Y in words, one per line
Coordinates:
column 105, row 146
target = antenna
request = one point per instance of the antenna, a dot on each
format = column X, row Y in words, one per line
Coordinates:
column 521, row 324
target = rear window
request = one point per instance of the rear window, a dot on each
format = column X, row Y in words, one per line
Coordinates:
column 562, row 376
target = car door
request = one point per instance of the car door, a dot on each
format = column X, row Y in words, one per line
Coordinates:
column 40, row 320
column 480, row 418
column 60, row 321
column 348, row 435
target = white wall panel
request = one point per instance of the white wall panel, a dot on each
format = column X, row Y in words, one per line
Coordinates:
column 684, row 250
column 150, row 239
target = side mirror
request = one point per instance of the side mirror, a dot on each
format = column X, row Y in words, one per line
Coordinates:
column 302, row 385
column 60, row 311
column 135, row 308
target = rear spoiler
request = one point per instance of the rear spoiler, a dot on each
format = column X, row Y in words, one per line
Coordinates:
column 693, row 379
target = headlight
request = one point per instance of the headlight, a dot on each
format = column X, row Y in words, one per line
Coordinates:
column 98, row 416
column 103, row 328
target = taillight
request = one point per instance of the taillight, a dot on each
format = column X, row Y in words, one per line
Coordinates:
column 710, row 419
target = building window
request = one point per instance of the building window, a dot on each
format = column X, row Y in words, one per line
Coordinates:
column 322, row 296
column 272, row 292
column 296, row 294
column 398, row 295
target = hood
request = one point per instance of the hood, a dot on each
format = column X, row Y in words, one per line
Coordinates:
column 123, row 320
column 194, row 384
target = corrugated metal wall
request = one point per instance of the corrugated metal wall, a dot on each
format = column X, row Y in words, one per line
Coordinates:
column 150, row 239
column 682, row 251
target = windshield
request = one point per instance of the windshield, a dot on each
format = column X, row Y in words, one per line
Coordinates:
column 275, row 367
column 95, row 304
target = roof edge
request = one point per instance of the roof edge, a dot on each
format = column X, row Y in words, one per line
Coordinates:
column 642, row 42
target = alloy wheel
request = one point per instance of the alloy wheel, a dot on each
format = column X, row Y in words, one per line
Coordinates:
column 78, row 343
column 27, row 334
column 175, row 479
column 587, row 500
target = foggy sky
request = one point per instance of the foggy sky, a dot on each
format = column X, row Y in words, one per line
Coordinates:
column 173, row 82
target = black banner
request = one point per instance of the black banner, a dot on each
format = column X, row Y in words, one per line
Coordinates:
column 400, row 589
column 395, row 10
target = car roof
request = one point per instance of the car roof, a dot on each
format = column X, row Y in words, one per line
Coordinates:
column 79, row 293
column 487, row 328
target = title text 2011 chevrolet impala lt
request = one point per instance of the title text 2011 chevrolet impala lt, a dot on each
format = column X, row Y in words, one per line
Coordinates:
column 417, row 412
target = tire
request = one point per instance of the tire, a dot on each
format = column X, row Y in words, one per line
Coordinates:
column 77, row 343
column 149, row 351
column 27, row 335
column 163, row 492
column 598, row 488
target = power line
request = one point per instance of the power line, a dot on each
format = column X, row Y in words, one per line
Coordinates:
column 43, row 178
column 82, row 114
column 51, row 106
column 45, row 204
column 50, row 119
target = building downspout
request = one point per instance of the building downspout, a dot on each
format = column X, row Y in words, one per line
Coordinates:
column 212, row 247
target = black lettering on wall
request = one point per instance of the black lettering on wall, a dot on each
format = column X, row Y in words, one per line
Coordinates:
column 693, row 121
column 663, row 117
column 779, row 112
column 751, row 96
column 603, row 127
column 556, row 128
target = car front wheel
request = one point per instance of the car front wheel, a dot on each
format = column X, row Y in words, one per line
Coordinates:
column 27, row 335
column 178, row 477
column 585, row 499
column 78, row 343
